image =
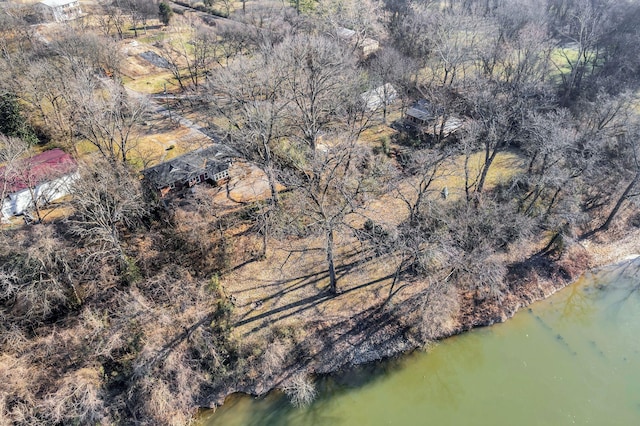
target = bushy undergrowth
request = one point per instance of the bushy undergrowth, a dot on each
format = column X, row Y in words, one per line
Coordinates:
column 90, row 341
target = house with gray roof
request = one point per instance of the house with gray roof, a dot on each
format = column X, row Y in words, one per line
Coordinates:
column 209, row 164
column 421, row 113
column 430, row 119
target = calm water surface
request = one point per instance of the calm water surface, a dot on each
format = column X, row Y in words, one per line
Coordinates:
column 571, row 359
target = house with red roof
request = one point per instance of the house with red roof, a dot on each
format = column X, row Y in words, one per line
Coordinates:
column 36, row 181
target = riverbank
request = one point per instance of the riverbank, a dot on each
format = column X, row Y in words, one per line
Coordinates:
column 297, row 352
column 576, row 347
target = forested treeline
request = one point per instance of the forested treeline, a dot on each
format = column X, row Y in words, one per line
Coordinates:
column 117, row 312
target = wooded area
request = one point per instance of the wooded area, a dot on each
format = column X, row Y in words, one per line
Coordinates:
column 121, row 305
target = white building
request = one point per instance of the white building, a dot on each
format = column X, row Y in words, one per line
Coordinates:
column 37, row 180
column 376, row 98
column 60, row 10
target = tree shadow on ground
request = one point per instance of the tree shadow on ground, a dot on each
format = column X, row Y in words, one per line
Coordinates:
column 343, row 346
column 287, row 286
column 310, row 302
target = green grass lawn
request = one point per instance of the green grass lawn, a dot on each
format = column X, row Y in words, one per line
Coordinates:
column 152, row 84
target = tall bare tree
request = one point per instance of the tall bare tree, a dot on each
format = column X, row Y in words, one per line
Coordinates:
column 249, row 95
column 107, row 116
column 322, row 81
column 581, row 30
column 105, row 198
column 335, row 183
column 391, row 69
column 195, row 56
column 12, row 150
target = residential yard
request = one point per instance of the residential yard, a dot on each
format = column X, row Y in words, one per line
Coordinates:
column 291, row 285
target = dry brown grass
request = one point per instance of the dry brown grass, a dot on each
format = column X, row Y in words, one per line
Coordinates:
column 18, row 379
column 290, row 287
column 150, row 84
column 374, row 136
column 78, row 398
column 291, row 284
column 391, row 210
column 247, row 183
column 162, row 139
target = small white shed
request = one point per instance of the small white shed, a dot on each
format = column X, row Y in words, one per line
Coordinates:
column 376, row 98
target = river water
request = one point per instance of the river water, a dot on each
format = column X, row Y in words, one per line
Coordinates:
column 571, row 359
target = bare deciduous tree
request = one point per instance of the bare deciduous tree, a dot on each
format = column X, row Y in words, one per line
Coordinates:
column 12, row 150
column 582, row 28
column 105, row 198
column 249, row 95
column 389, row 68
column 321, row 80
column 335, row 183
column 195, row 55
column 499, row 114
column 23, row 173
column 107, row 116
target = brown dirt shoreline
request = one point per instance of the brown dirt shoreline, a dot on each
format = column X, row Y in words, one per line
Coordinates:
column 375, row 334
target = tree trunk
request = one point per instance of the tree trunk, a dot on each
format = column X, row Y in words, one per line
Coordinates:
column 333, row 282
column 619, row 203
column 273, row 187
column 396, row 278
column 270, row 171
column 265, row 218
column 485, row 168
column 265, row 241
column 34, row 200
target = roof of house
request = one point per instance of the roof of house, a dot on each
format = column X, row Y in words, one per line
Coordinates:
column 377, row 97
column 451, row 125
column 57, row 3
column 369, row 42
column 345, row 33
column 35, row 170
column 423, row 110
column 211, row 160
